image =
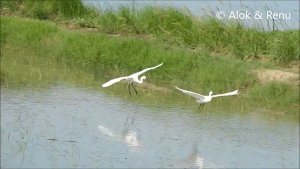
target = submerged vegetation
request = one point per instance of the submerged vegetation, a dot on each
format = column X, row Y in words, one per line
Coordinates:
column 198, row 54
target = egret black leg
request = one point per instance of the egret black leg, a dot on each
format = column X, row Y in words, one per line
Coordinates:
column 203, row 104
column 134, row 88
column 129, row 88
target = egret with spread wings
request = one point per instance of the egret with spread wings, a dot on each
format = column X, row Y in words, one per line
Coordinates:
column 205, row 99
column 134, row 78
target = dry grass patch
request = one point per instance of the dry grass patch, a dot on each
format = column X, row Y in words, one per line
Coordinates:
column 268, row 75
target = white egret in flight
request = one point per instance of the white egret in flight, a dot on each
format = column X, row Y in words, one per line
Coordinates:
column 205, row 99
column 131, row 78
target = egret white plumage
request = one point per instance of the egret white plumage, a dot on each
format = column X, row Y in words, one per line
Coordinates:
column 205, row 99
column 134, row 78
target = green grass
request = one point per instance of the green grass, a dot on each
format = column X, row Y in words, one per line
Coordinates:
column 284, row 46
column 38, row 51
column 29, row 54
column 45, row 9
column 169, row 25
column 101, row 54
column 275, row 94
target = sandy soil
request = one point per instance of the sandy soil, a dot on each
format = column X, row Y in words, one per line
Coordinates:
column 268, row 75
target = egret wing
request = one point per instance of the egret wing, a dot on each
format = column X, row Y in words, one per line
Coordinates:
column 145, row 70
column 196, row 95
column 227, row 94
column 113, row 81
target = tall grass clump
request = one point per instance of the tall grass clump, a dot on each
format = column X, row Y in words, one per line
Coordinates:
column 284, row 46
column 113, row 22
column 169, row 23
column 233, row 38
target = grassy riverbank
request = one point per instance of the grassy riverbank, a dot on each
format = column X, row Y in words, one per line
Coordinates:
column 176, row 27
column 34, row 51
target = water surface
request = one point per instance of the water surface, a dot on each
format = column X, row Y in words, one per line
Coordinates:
column 66, row 126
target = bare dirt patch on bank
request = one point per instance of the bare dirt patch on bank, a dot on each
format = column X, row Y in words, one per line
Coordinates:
column 282, row 76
